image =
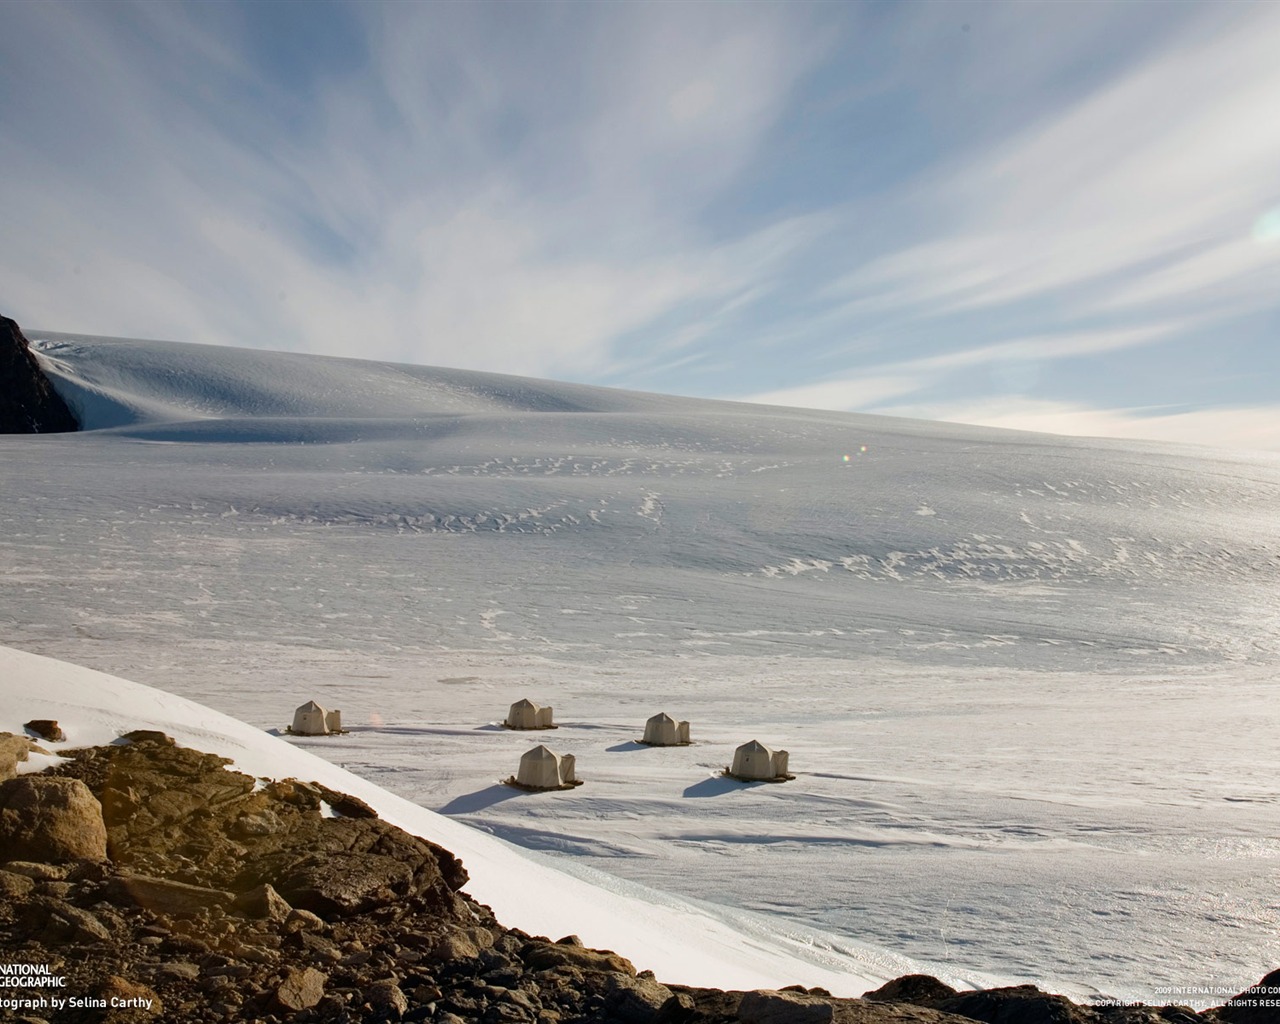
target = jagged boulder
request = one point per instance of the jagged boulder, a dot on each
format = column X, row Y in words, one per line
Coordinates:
column 631, row 1000
column 28, row 403
column 263, row 902
column 50, row 820
column 300, row 990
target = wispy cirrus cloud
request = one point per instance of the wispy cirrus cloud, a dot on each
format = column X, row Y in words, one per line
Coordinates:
column 450, row 202
column 934, row 207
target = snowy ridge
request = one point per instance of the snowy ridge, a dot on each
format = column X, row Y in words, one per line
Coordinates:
column 119, row 381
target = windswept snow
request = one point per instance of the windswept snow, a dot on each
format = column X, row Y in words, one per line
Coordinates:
column 1026, row 681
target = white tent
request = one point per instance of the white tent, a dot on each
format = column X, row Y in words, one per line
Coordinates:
column 310, row 720
column 542, row 769
column 756, row 761
column 333, row 720
column 664, row 731
column 525, row 714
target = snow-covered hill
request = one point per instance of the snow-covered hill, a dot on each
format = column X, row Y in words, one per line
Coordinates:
column 1011, row 669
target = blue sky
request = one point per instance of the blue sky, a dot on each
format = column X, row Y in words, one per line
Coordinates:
column 1058, row 216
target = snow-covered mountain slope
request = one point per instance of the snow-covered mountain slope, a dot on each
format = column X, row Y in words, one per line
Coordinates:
column 1011, row 669
column 785, row 523
column 677, row 939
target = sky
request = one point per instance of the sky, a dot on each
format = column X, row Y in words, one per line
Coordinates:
column 1051, row 216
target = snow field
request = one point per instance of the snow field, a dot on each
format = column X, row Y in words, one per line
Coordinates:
column 1024, row 680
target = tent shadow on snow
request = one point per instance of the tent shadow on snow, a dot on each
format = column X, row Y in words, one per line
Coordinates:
column 469, row 803
column 717, row 785
column 628, row 745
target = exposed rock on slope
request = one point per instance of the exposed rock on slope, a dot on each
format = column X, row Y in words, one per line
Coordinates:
column 28, row 403
column 219, row 898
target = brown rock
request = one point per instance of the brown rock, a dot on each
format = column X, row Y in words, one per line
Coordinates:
column 300, row 990
column 920, row 989
column 768, row 1007
column 346, row 805
column 1016, row 1004
column 299, row 794
column 55, row 921
column 636, row 1000
column 46, row 729
column 481, row 936
column 454, row 946
column 542, row 957
column 162, row 896
column 39, row 872
column 263, row 823
column 149, row 736
column 387, row 998
column 303, row 921
column 15, row 886
column 263, row 902
column 13, row 749
column 177, row 970
column 50, row 820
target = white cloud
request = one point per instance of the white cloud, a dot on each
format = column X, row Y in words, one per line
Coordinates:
column 1248, row 428
column 533, row 195
column 402, row 223
column 879, row 385
column 1124, row 190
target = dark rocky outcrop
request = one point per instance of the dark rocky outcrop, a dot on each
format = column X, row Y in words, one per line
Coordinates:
column 1020, row 1004
column 223, row 899
column 28, row 403
column 1258, row 1004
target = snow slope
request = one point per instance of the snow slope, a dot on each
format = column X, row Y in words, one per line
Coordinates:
column 1013, row 670
column 681, row 942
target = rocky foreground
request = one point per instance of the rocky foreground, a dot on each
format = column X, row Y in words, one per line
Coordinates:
column 146, row 882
